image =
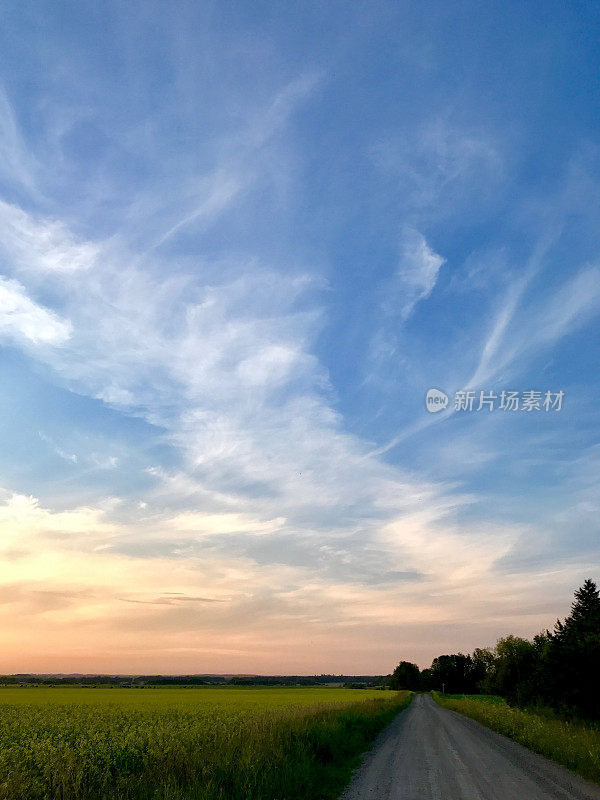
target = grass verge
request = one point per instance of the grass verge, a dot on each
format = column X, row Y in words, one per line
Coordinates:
column 573, row 744
column 100, row 752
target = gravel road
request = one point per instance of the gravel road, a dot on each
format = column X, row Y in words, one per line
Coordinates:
column 430, row 753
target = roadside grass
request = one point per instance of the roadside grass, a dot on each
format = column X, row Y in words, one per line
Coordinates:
column 268, row 745
column 575, row 745
column 484, row 698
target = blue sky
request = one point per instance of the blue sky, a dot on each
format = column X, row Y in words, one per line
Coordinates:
column 238, row 244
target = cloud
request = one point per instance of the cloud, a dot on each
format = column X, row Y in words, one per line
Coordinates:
column 273, row 495
column 268, row 521
column 412, row 282
column 416, row 275
column 24, row 321
column 41, row 244
column 517, row 336
column 442, row 165
column 16, row 163
column 220, row 192
column 75, row 586
column 170, row 599
column 522, row 329
column 72, row 457
column 219, row 524
column 270, row 122
column 240, row 160
column 22, row 518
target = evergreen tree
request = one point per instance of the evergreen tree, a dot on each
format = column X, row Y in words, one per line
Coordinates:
column 573, row 657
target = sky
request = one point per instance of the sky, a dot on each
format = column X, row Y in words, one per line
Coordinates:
column 239, row 242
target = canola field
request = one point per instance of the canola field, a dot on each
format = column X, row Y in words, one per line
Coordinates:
column 200, row 743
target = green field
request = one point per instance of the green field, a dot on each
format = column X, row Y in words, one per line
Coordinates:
column 573, row 744
column 205, row 743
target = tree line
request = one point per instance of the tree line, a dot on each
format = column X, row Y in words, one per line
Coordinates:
column 559, row 668
column 141, row 681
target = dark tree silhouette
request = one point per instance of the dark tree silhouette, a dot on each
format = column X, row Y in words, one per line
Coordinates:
column 406, row 676
column 558, row 669
column 514, row 669
column 573, row 656
column 452, row 673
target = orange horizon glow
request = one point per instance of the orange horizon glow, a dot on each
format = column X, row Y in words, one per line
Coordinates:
column 72, row 603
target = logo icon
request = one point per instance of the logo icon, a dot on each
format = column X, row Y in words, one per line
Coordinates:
column 435, row 400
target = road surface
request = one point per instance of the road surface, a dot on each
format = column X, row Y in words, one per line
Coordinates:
column 431, row 753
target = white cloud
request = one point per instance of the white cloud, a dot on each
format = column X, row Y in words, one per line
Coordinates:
column 523, row 329
column 412, row 283
column 442, row 164
column 416, row 275
column 59, row 450
column 226, row 369
column 221, row 190
column 274, row 511
column 270, row 122
column 43, row 245
column 219, row 524
column 16, row 163
column 24, row 321
column 239, row 163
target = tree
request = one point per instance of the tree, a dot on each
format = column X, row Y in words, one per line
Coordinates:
column 573, row 656
column 514, row 671
column 406, row 676
column 451, row 673
column 426, row 680
column 482, row 666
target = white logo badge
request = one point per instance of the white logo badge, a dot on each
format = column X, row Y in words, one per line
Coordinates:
column 435, row 400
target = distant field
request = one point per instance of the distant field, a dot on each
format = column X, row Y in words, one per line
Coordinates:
column 573, row 744
column 214, row 743
column 194, row 697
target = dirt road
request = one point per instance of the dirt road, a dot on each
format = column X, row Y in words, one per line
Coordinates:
column 430, row 753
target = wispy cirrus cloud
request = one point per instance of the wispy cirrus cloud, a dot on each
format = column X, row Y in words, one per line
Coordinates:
column 523, row 329
column 273, row 494
column 17, row 165
column 442, row 162
column 223, row 365
column 411, row 284
column 22, row 320
column 75, row 584
column 41, row 244
column 211, row 245
column 416, row 275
